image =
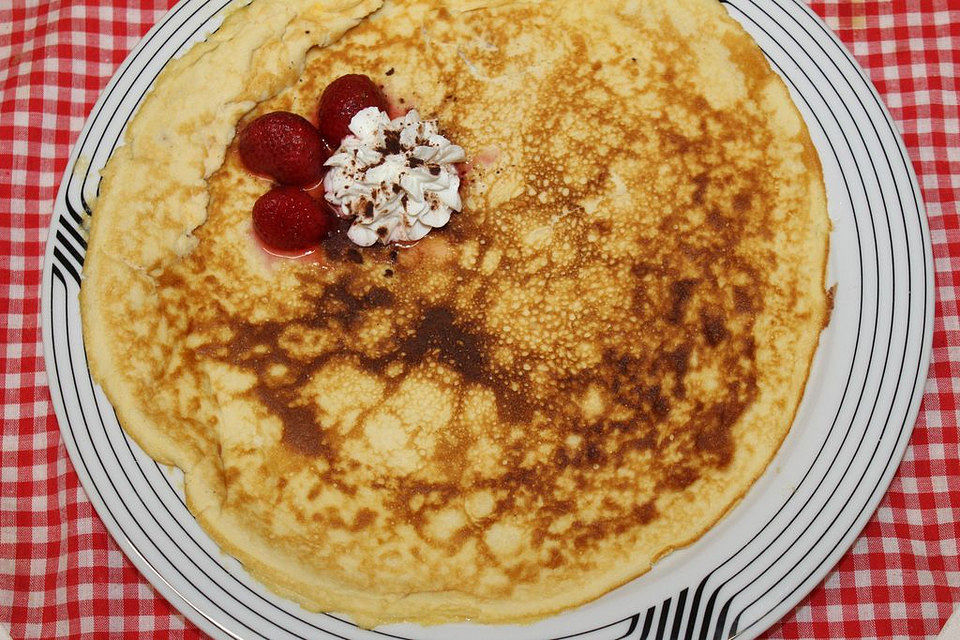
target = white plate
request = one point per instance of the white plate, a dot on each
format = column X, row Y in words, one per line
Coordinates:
column 745, row 573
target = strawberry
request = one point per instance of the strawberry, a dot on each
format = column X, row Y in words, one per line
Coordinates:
column 288, row 219
column 285, row 147
column 341, row 100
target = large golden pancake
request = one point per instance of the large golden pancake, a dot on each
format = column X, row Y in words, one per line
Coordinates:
column 582, row 371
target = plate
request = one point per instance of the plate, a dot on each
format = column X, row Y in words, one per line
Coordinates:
column 750, row 569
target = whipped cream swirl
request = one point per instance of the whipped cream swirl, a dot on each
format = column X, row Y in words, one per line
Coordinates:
column 395, row 178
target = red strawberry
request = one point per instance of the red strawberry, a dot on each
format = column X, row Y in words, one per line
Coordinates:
column 341, row 100
column 289, row 219
column 285, row 147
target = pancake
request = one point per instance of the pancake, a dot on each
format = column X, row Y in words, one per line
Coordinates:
column 584, row 370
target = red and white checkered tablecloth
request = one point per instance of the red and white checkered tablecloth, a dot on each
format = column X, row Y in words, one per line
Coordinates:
column 61, row 575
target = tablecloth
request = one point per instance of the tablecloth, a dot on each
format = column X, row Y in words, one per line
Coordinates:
column 61, row 574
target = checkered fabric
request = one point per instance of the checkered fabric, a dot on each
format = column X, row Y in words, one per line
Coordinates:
column 61, row 575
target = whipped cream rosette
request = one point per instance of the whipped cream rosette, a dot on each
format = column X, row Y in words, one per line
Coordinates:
column 396, row 179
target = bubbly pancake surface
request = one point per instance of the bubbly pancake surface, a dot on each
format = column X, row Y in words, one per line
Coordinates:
column 583, row 370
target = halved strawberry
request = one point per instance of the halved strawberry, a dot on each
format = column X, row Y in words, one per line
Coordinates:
column 288, row 219
column 285, row 147
column 341, row 100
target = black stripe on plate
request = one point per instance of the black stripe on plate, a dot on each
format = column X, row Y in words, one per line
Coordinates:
column 678, row 616
column 83, row 199
column 648, row 623
column 75, row 234
column 63, row 243
column 662, row 623
column 71, row 209
column 695, row 608
column 64, row 262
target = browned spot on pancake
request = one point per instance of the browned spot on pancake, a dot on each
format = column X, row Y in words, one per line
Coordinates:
column 741, row 202
column 230, row 475
column 347, row 306
column 742, row 300
column 714, row 329
column 453, row 345
column 700, row 183
column 713, row 434
column 679, row 359
column 363, row 519
column 300, row 430
column 675, row 142
column 831, row 296
column 680, row 291
column 637, row 515
column 337, row 245
column 716, row 220
column 680, row 477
